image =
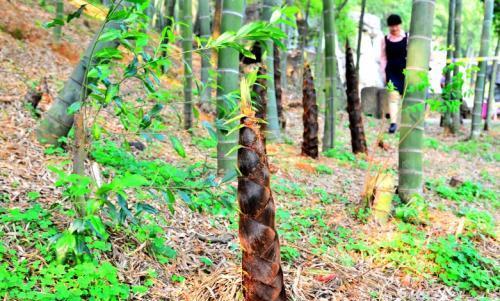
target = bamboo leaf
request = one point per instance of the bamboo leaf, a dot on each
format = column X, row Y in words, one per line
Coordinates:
column 55, row 22
column 74, row 107
column 178, row 147
column 76, row 14
column 233, row 149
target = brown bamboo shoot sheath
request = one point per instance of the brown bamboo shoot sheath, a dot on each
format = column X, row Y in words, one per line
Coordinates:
column 358, row 140
column 261, row 264
column 310, row 144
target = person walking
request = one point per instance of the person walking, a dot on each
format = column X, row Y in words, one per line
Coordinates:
column 393, row 63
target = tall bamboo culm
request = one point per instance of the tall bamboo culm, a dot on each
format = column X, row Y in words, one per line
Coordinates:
column 331, row 67
column 60, row 16
column 273, row 127
column 491, row 96
column 413, row 109
column 205, row 33
column 481, row 75
column 455, row 127
column 56, row 123
column 187, row 47
column 227, row 82
column 447, row 116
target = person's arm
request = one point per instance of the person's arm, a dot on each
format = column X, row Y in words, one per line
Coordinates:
column 383, row 59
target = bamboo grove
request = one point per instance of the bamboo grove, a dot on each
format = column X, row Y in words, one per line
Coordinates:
column 238, row 78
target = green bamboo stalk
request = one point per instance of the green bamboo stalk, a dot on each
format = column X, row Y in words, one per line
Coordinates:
column 480, row 82
column 60, row 16
column 413, row 109
column 331, row 67
column 187, row 48
column 320, row 66
column 227, row 82
column 205, row 33
column 57, row 122
column 457, row 54
column 447, row 116
column 273, row 127
column 491, row 96
column 283, row 61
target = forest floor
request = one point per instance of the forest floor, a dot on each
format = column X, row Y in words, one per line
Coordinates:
column 331, row 247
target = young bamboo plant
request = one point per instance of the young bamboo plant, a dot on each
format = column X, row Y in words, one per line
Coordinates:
column 261, row 263
column 358, row 140
column 310, row 144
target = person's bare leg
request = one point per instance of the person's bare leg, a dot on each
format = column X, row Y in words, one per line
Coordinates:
column 394, row 98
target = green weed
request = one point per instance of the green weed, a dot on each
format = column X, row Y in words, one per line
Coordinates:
column 43, row 277
column 459, row 264
column 467, row 191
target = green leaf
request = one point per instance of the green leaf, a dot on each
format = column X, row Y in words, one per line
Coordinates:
column 64, row 245
column 110, row 35
column 74, row 107
column 178, row 147
column 132, row 180
column 109, row 53
column 55, row 22
column 207, row 261
column 170, row 199
column 229, row 176
column 76, row 14
column 96, row 131
column 275, row 16
column 210, row 130
column 111, row 92
column 98, row 226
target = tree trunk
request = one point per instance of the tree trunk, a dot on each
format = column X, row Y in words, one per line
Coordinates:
column 360, row 34
column 457, row 54
column 187, row 47
column 483, row 64
column 491, row 109
column 227, row 82
column 447, row 116
column 57, row 122
column 204, row 17
column 331, row 67
column 413, row 110
column 59, row 16
column 278, row 88
column 358, row 140
column 273, row 127
column 310, row 116
column 261, row 263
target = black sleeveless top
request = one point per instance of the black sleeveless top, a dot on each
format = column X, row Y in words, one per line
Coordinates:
column 396, row 53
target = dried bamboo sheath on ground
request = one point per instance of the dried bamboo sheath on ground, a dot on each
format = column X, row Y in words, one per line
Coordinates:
column 358, row 140
column 310, row 116
column 262, row 273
